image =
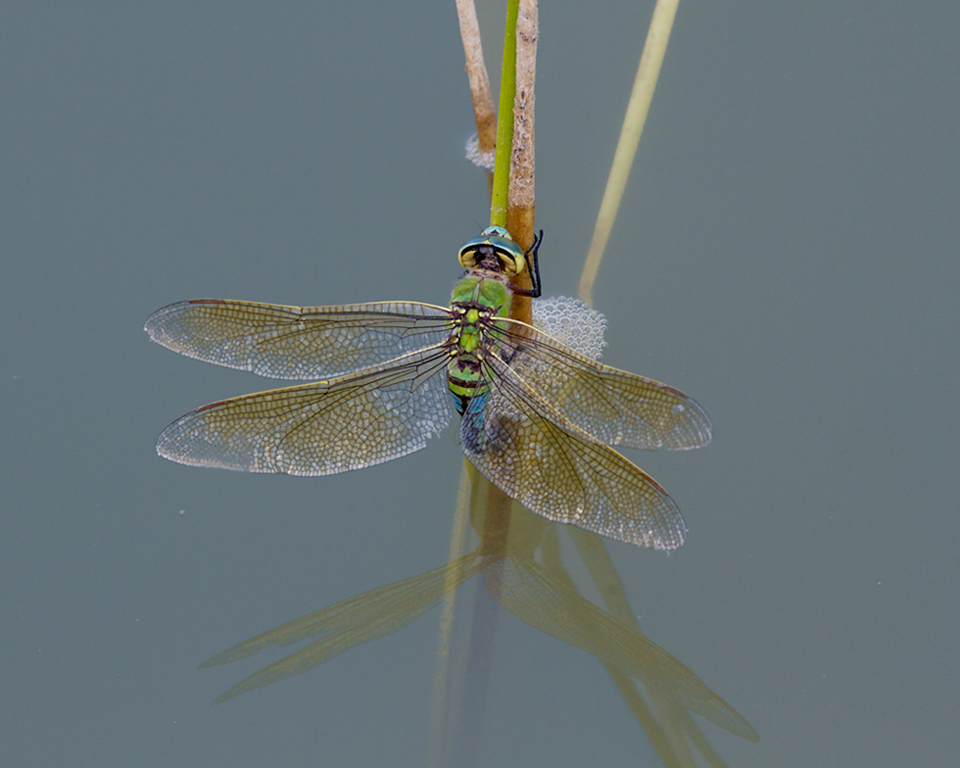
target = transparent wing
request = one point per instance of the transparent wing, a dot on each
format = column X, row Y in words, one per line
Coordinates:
column 616, row 407
column 552, row 467
column 293, row 342
column 349, row 422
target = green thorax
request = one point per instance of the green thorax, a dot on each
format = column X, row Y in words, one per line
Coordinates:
column 478, row 301
column 483, row 290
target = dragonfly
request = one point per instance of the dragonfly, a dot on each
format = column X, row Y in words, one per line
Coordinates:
column 537, row 418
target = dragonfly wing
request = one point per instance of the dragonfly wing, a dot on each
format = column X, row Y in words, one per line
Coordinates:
column 616, row 407
column 295, row 342
column 349, row 422
column 536, row 456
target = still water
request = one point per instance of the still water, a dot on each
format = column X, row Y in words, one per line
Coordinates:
column 787, row 253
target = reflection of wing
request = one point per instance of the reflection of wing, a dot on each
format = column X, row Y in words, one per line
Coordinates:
column 293, row 342
column 531, row 593
column 536, row 456
column 349, row 422
column 356, row 620
column 616, row 407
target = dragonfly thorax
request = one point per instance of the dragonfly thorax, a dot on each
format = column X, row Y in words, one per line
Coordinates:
column 477, row 303
column 485, row 292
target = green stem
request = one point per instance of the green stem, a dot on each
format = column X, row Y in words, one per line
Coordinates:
column 508, row 87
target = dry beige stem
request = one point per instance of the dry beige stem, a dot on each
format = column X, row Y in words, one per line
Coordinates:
column 484, row 112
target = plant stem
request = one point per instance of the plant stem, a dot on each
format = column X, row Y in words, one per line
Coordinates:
column 653, row 52
column 508, row 85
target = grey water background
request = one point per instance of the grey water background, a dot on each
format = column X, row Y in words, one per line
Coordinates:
column 787, row 253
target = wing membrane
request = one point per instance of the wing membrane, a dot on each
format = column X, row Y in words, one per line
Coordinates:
column 616, row 407
column 293, row 342
column 552, row 467
column 349, row 422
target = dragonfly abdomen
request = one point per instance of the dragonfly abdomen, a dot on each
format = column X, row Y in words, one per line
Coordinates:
column 466, row 383
column 480, row 431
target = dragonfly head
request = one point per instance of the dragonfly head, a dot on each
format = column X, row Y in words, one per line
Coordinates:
column 494, row 251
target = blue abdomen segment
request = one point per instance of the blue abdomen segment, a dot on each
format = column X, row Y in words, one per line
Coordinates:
column 461, row 402
column 473, row 438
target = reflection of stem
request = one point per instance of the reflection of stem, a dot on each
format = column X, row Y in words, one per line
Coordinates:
column 472, row 705
column 653, row 52
column 491, row 517
column 445, row 705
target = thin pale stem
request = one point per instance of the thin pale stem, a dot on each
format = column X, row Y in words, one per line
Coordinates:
column 653, row 52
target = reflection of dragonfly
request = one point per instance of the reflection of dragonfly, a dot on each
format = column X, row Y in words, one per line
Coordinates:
column 538, row 417
column 524, row 573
